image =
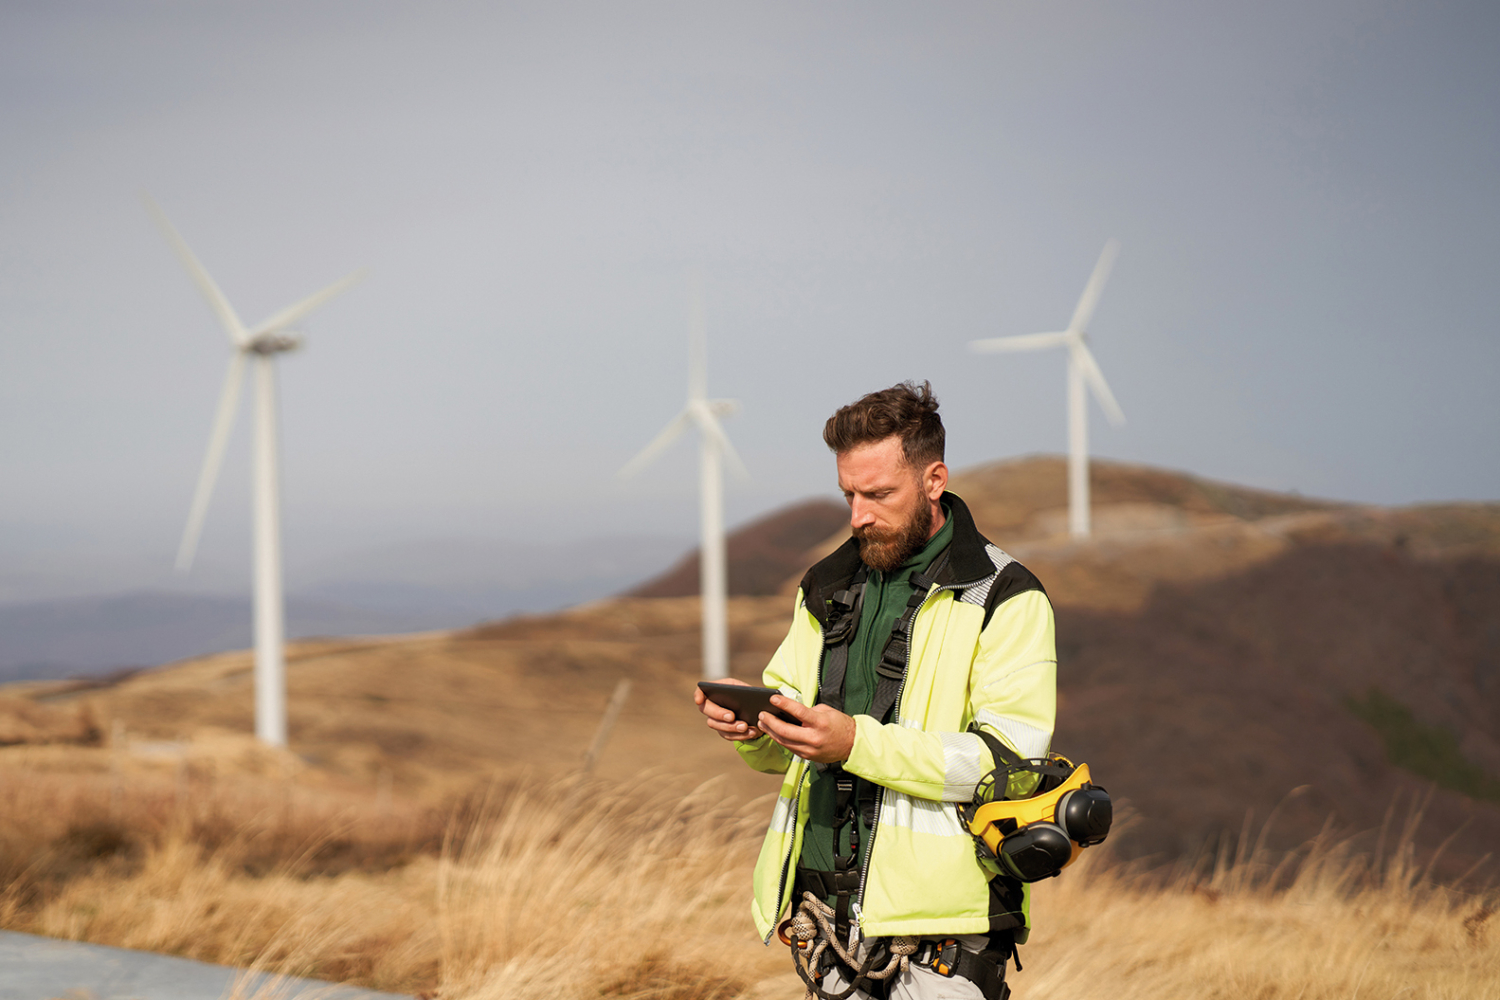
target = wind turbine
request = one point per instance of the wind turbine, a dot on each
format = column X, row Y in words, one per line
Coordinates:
column 1082, row 369
column 713, row 448
column 258, row 347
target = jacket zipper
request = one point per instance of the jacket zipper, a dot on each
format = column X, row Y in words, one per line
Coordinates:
column 786, row 863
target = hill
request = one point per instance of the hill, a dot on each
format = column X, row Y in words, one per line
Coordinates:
column 1219, row 647
column 761, row 555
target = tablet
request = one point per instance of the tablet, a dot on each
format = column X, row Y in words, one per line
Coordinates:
column 745, row 702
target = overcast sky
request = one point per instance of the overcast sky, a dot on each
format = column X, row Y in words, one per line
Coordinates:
column 1305, row 193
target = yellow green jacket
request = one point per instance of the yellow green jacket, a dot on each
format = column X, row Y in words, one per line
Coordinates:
column 982, row 651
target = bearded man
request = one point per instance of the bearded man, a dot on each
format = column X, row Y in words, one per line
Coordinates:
column 905, row 642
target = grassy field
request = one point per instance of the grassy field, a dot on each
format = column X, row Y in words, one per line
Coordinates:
column 551, row 889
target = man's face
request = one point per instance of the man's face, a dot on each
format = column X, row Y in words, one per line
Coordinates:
column 890, row 503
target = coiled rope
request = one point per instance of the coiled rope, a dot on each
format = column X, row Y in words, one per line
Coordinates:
column 812, row 933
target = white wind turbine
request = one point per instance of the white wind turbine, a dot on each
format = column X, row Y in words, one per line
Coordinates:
column 713, row 447
column 258, row 346
column 1082, row 368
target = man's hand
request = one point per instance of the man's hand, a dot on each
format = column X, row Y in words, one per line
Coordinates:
column 721, row 720
column 826, row 735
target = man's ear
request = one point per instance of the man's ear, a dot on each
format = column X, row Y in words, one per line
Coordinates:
column 935, row 481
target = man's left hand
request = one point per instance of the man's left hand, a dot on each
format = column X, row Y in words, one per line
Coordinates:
column 826, row 735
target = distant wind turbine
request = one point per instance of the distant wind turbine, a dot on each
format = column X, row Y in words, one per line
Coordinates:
column 259, row 347
column 713, row 447
column 1082, row 368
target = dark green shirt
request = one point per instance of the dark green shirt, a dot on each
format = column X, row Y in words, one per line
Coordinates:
column 885, row 600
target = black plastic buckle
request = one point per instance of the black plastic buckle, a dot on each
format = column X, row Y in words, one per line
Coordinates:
column 944, row 960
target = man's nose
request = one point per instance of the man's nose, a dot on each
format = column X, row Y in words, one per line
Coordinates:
column 861, row 513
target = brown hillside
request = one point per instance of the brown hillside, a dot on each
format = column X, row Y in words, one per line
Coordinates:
column 429, row 714
column 1212, row 643
column 761, row 555
column 1220, row 697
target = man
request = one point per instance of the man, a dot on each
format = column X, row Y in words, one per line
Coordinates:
column 910, row 636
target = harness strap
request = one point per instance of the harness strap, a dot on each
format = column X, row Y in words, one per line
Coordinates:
column 825, row 883
column 843, row 620
column 896, row 657
column 1008, row 762
column 947, row 958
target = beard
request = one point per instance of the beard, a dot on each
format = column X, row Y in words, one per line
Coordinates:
column 886, row 549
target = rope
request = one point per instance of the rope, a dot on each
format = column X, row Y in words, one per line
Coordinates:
column 812, row 933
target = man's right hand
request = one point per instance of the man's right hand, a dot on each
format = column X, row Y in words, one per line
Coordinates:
column 721, row 720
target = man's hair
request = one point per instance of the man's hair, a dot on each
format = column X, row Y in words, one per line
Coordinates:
column 908, row 410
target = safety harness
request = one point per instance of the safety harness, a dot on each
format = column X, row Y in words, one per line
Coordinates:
column 845, row 609
column 817, row 932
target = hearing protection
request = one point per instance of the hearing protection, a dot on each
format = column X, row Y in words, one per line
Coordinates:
column 1036, row 837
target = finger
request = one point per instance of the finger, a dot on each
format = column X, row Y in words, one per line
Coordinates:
column 716, row 711
column 793, row 708
column 787, row 734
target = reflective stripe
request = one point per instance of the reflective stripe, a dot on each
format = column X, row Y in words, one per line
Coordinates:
column 1028, row 740
column 784, row 816
column 980, row 592
column 962, row 765
column 920, row 815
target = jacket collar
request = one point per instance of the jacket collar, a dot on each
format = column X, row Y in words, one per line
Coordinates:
column 968, row 562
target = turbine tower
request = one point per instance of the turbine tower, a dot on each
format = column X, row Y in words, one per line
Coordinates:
column 257, row 347
column 1082, row 370
column 713, row 448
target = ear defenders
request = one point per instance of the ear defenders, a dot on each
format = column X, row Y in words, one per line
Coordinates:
column 1035, row 838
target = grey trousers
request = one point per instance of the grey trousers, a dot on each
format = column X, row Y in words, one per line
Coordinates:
column 919, row 982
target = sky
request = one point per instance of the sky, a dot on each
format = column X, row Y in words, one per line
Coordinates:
column 1304, row 192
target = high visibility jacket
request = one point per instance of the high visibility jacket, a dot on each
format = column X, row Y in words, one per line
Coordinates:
column 982, row 650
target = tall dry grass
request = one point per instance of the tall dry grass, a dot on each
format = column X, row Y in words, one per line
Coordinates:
column 542, row 889
column 1245, row 922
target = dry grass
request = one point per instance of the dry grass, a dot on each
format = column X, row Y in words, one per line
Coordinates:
column 542, row 889
column 1323, row 922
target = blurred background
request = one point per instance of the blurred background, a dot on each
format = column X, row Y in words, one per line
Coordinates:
column 1304, row 194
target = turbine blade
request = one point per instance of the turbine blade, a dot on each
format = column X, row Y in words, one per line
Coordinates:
column 1023, row 342
column 658, row 444
column 293, row 313
column 196, row 271
column 1084, row 359
column 1084, row 313
column 708, row 425
column 218, row 440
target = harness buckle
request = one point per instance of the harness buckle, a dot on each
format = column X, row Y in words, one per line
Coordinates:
column 940, row 956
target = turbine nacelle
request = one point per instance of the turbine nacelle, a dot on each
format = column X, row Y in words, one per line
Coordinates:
column 275, row 343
